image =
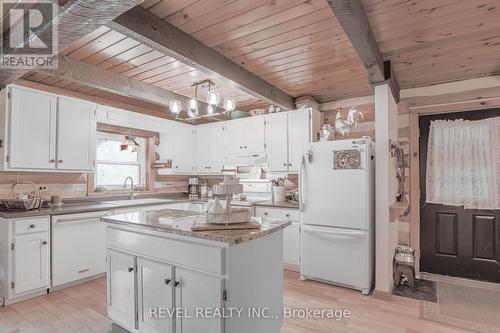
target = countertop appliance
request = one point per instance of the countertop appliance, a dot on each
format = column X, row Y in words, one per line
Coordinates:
column 193, row 187
column 337, row 196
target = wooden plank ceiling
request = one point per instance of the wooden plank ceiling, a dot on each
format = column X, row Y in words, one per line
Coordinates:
column 297, row 45
column 437, row 41
column 115, row 52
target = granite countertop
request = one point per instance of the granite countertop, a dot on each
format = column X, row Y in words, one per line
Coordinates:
column 286, row 204
column 82, row 206
column 64, row 209
column 179, row 222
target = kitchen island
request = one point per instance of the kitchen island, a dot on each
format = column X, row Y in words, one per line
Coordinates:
column 163, row 277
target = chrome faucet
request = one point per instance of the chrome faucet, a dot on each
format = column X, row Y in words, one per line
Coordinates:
column 131, row 186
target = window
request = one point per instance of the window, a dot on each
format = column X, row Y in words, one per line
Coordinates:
column 114, row 165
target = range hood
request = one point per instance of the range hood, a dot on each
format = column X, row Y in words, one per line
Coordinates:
column 246, row 159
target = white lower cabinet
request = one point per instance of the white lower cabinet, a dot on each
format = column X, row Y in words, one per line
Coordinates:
column 24, row 258
column 145, row 295
column 291, row 234
column 31, row 262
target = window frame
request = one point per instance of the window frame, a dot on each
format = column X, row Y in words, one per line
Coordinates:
column 141, row 160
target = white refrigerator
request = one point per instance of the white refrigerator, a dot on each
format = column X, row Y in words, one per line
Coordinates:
column 336, row 184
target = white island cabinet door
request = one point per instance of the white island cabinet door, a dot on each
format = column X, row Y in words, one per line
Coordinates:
column 299, row 135
column 76, row 131
column 277, row 142
column 32, row 130
column 196, row 290
column 121, row 289
column 155, row 294
column 31, row 262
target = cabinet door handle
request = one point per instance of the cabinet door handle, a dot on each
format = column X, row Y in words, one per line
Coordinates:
column 59, row 161
column 167, row 281
column 44, row 243
column 265, row 213
column 176, row 283
column 284, row 164
column 130, row 269
column 241, row 147
column 32, row 226
column 289, row 164
column 52, row 161
column 246, row 147
column 287, row 215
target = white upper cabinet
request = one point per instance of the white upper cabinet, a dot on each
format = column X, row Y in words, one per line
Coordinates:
column 46, row 132
column 254, row 135
column 277, row 142
column 76, row 128
column 210, row 147
column 183, row 160
column 217, row 146
column 245, row 136
column 299, row 136
column 235, row 138
column 287, row 137
column 203, row 148
column 32, row 132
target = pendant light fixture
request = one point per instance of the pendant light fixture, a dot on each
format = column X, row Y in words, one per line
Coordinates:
column 175, row 107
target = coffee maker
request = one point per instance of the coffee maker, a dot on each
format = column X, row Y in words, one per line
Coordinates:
column 193, row 188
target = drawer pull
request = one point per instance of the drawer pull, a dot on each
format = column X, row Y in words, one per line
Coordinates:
column 84, row 270
column 287, row 215
column 44, row 243
column 130, row 269
column 265, row 213
column 32, row 226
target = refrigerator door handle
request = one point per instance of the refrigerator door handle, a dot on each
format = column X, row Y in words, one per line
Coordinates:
column 302, row 184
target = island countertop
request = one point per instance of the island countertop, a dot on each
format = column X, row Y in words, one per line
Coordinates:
column 179, row 222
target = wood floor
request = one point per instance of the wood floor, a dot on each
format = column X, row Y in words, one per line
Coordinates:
column 82, row 309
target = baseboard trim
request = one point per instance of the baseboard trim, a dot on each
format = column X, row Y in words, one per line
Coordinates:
column 77, row 282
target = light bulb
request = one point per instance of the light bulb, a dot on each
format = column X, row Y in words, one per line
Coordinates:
column 229, row 104
column 213, row 98
column 210, row 109
column 193, row 108
column 175, row 107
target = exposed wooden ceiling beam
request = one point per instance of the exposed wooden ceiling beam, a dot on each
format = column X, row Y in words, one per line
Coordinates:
column 96, row 77
column 142, row 25
column 352, row 17
column 75, row 19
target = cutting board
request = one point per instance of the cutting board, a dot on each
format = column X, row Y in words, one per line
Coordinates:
column 203, row 226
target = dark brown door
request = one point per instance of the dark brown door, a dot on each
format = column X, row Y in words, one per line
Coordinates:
column 456, row 241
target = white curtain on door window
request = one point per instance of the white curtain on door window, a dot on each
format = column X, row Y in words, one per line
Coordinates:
column 463, row 163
